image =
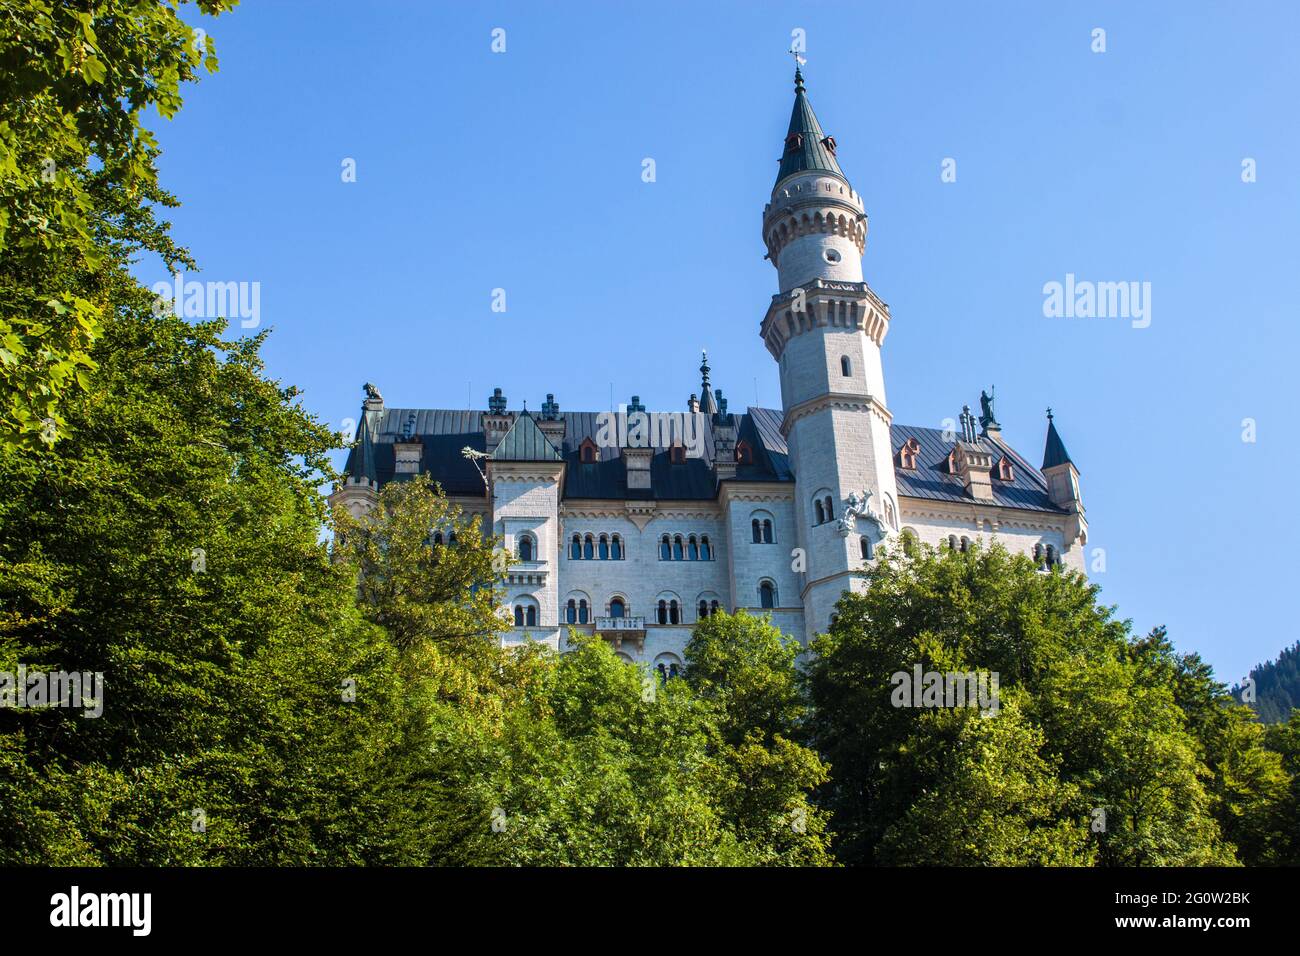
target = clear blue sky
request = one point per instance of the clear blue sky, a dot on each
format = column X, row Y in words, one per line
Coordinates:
column 522, row 171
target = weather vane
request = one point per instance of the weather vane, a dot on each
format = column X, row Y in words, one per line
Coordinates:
column 799, row 59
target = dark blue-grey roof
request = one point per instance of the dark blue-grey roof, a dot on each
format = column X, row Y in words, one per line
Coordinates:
column 1054, row 452
column 931, row 479
column 445, row 432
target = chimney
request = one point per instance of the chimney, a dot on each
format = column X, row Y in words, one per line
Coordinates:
column 552, row 423
column 974, row 461
column 408, row 451
column 496, row 421
column 637, row 450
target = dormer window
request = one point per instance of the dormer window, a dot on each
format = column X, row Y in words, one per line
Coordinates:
column 587, row 452
column 954, row 462
column 677, row 454
column 794, row 141
column 829, row 143
column 1005, row 471
column 907, row 454
column 744, row 453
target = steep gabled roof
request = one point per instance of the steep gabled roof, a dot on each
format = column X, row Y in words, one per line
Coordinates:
column 525, row 442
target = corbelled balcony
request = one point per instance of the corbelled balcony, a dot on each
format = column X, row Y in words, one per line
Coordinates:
column 620, row 629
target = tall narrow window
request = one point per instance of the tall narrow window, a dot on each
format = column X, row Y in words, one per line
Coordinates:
column 830, row 509
column 525, row 548
column 965, row 544
column 437, row 538
column 665, row 549
column 532, row 616
column 604, row 548
column 758, row 531
column 588, row 548
column 767, row 530
column 713, row 608
column 617, row 608
column 571, row 611
column 820, row 511
column 846, row 367
column 703, row 611
column 582, row 611
column 616, row 548
column 674, row 613
column 766, row 595
column 1052, row 557
column 663, row 612
column 694, row 549
column 575, row 549
column 706, row 552
column 677, row 548
column 519, row 615
column 866, row 548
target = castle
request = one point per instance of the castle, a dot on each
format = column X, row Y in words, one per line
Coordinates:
column 634, row 525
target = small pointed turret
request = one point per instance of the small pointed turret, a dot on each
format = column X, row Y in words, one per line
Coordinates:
column 1054, row 452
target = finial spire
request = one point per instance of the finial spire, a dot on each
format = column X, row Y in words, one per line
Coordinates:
column 704, row 367
column 799, row 61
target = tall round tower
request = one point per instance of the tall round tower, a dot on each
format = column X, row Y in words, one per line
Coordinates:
column 825, row 327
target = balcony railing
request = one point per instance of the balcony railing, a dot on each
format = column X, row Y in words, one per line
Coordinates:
column 619, row 629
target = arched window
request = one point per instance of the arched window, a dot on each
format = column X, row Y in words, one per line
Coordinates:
column 767, row 530
column 531, row 616
column 1053, row 558
column 830, row 509
column 693, row 548
column 706, row 552
column 587, row 454
column 865, row 544
column 952, row 542
column 617, row 608
column 891, row 515
column 616, row 548
column 663, row 612
column 571, row 612
column 703, row 610
column 582, row 611
column 965, row 544
column 766, row 595
column 713, row 608
column 758, row 531
column 519, row 615
column 665, row 549
column 575, row 549
column 677, row 548
column 451, row 540
column 604, row 548
column 663, row 673
column 525, row 548
column 846, row 367
column 909, row 542
column 674, row 613
column 588, row 548
column 437, row 538
column 819, row 511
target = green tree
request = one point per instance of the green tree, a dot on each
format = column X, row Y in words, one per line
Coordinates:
column 1114, row 738
column 78, row 184
column 172, row 542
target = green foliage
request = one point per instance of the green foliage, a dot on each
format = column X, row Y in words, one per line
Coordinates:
column 415, row 589
column 77, row 183
column 1097, row 731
